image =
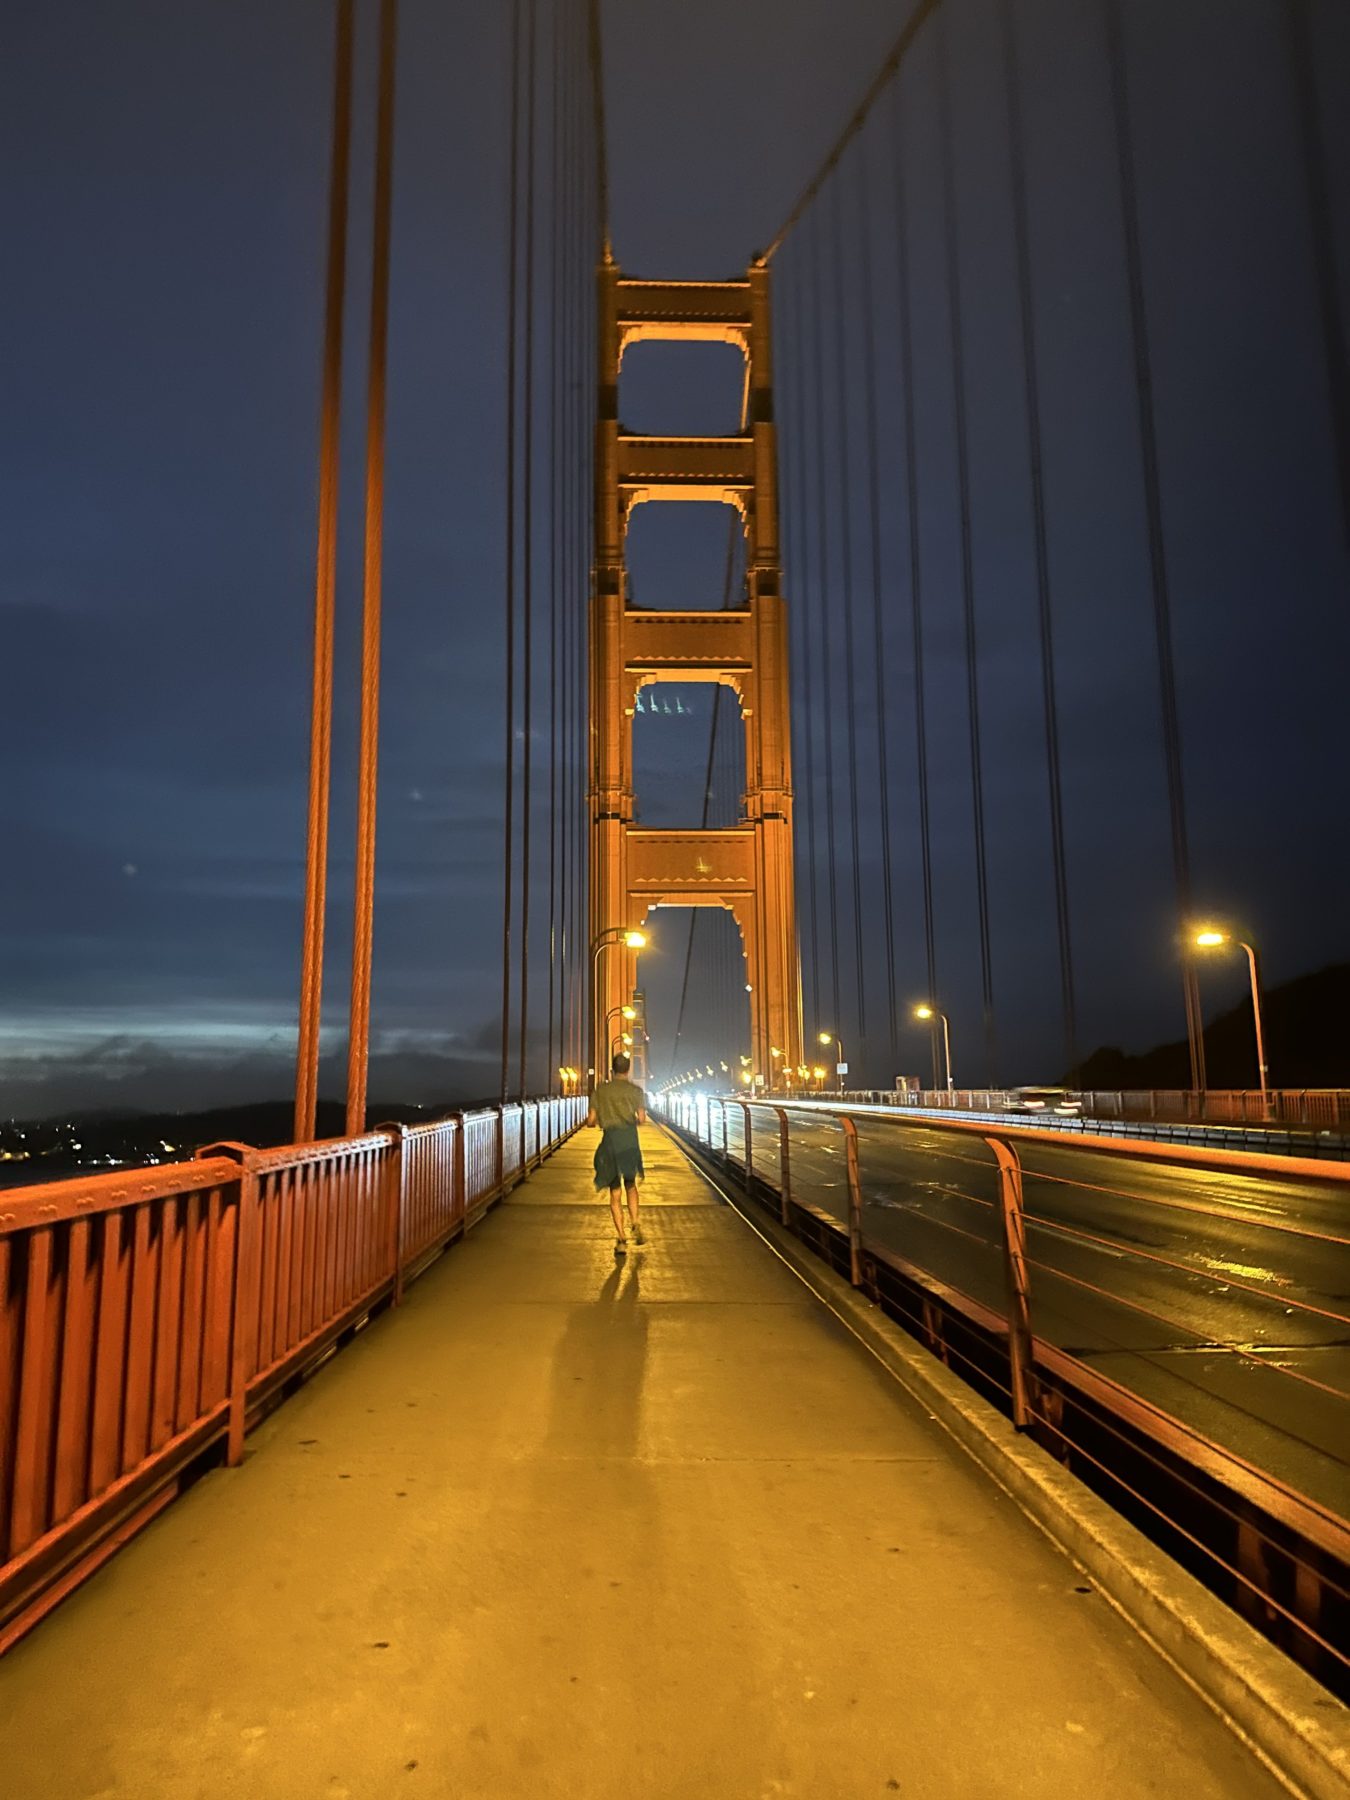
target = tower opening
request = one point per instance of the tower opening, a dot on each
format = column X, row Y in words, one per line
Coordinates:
column 685, row 556
column 688, row 741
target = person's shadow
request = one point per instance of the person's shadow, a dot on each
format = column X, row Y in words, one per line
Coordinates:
column 599, row 1368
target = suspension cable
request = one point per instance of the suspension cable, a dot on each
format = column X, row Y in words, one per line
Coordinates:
column 957, row 332
column 906, row 323
column 826, row 672
column 1045, row 620
column 846, row 592
column 557, row 302
column 873, row 459
column 509, row 584
column 803, row 659
column 1164, row 647
column 325, row 594
column 923, row 11
column 527, row 551
column 358, row 1040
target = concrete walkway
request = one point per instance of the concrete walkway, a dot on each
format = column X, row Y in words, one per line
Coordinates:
column 559, row 1528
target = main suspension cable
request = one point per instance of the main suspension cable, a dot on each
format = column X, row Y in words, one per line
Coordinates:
column 857, row 119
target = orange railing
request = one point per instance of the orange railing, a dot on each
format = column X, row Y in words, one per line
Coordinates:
column 1069, row 1279
column 149, row 1317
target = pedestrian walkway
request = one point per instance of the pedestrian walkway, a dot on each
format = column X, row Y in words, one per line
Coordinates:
column 561, row 1527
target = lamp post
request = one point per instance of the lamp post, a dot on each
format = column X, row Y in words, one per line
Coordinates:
column 931, row 1012
column 631, row 939
column 828, row 1037
column 1210, row 938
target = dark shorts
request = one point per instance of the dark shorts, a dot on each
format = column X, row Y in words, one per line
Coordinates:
column 618, row 1158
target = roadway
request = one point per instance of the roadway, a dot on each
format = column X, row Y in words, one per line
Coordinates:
column 1220, row 1297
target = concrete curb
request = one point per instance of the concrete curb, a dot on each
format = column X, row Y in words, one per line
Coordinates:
column 1284, row 1717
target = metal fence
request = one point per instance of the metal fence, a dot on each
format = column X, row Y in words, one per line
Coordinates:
column 149, row 1317
column 1192, row 1378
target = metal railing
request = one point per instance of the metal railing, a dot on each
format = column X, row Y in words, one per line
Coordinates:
column 1307, row 1109
column 151, row 1316
column 1059, row 1316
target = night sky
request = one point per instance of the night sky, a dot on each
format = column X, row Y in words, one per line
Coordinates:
column 166, row 174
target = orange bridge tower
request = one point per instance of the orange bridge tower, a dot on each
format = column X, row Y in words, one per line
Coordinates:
column 747, row 868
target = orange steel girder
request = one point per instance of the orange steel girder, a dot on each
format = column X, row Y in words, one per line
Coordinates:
column 748, row 869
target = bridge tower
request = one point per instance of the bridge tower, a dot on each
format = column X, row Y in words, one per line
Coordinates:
column 748, row 868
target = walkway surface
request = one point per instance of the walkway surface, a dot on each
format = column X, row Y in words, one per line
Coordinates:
column 561, row 1528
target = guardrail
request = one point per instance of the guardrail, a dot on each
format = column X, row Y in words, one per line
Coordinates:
column 994, row 1307
column 1307, row 1109
column 1265, row 1139
column 149, row 1318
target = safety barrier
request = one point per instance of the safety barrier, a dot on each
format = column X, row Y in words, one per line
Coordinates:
column 150, row 1317
column 1085, row 1301
column 1306, row 1109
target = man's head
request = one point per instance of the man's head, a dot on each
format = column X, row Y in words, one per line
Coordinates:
column 620, row 1064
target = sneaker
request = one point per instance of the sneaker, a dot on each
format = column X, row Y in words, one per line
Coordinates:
column 620, row 1248
column 637, row 1235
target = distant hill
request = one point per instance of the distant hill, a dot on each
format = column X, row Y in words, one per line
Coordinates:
column 1307, row 1030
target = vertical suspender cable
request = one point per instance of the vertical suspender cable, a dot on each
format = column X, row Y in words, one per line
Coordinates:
column 554, row 523
column 801, row 615
column 1021, row 237
column 358, row 1044
column 509, row 583
column 1157, row 548
column 325, row 591
column 727, row 570
column 527, row 553
column 826, row 674
column 873, row 466
column 915, row 557
column 1298, row 24
column 842, row 413
column 703, row 826
column 571, row 549
column 953, row 248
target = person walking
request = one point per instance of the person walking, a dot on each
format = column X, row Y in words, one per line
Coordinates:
column 618, row 1107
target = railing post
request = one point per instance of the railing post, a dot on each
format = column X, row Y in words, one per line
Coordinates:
column 398, row 1197
column 749, row 1144
column 459, row 1204
column 1021, row 1348
column 854, row 1200
column 244, row 1293
column 785, row 1170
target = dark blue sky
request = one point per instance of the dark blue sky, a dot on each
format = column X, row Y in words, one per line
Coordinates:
column 165, row 187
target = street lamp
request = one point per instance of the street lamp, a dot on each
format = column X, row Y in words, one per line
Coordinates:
column 1208, row 937
column 828, row 1037
column 632, row 939
column 929, row 1012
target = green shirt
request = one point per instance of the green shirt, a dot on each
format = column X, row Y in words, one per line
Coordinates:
column 617, row 1102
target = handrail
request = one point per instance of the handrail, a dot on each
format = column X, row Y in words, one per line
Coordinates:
column 149, row 1316
column 1303, row 1513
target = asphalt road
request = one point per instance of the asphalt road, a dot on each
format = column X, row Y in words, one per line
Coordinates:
column 1206, row 1293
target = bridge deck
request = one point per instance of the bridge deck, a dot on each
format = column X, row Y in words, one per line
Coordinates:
column 559, row 1527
